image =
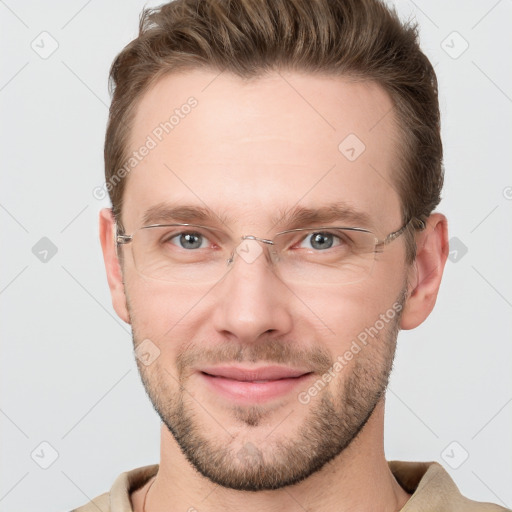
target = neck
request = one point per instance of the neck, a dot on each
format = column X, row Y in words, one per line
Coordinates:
column 359, row 479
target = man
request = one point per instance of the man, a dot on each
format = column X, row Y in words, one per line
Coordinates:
column 273, row 167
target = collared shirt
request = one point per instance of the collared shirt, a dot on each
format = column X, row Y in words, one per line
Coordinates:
column 431, row 487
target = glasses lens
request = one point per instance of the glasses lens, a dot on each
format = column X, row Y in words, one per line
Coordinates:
column 324, row 256
column 180, row 253
column 193, row 254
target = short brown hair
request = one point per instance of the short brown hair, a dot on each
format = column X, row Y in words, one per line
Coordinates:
column 363, row 39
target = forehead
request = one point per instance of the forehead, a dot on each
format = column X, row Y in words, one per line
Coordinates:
column 252, row 147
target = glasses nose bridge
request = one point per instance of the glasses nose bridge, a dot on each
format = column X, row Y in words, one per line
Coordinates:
column 264, row 241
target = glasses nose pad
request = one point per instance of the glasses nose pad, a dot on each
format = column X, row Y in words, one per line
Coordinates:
column 229, row 261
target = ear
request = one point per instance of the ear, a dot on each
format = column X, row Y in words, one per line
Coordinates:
column 426, row 271
column 112, row 265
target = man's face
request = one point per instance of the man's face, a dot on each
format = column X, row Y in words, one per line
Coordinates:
column 251, row 150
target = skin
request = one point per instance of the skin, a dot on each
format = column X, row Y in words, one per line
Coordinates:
column 249, row 149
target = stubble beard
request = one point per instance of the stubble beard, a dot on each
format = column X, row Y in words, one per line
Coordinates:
column 245, row 462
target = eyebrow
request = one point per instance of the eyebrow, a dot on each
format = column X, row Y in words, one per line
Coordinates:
column 288, row 218
column 167, row 212
column 299, row 216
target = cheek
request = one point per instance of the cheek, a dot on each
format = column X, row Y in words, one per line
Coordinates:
column 161, row 311
column 339, row 315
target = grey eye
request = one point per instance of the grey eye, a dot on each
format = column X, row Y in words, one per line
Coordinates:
column 189, row 240
column 322, row 240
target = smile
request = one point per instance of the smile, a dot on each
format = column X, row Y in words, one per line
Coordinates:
column 253, row 385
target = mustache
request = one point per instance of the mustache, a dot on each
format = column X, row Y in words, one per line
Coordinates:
column 277, row 351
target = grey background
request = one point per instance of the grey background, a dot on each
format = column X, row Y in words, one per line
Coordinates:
column 68, row 376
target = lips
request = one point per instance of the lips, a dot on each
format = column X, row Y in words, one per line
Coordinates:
column 253, row 385
column 263, row 374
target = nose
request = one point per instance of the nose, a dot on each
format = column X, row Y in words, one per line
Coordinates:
column 252, row 299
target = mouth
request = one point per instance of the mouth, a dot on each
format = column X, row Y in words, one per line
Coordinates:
column 253, row 385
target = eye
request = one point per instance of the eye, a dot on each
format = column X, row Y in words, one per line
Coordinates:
column 321, row 240
column 188, row 240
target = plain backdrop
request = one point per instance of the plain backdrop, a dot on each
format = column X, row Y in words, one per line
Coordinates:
column 71, row 398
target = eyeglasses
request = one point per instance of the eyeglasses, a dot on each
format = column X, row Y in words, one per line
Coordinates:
column 191, row 253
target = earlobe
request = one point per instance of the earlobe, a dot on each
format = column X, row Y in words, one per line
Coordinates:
column 426, row 271
column 112, row 265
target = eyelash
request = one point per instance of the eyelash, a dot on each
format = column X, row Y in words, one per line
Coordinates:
column 170, row 237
